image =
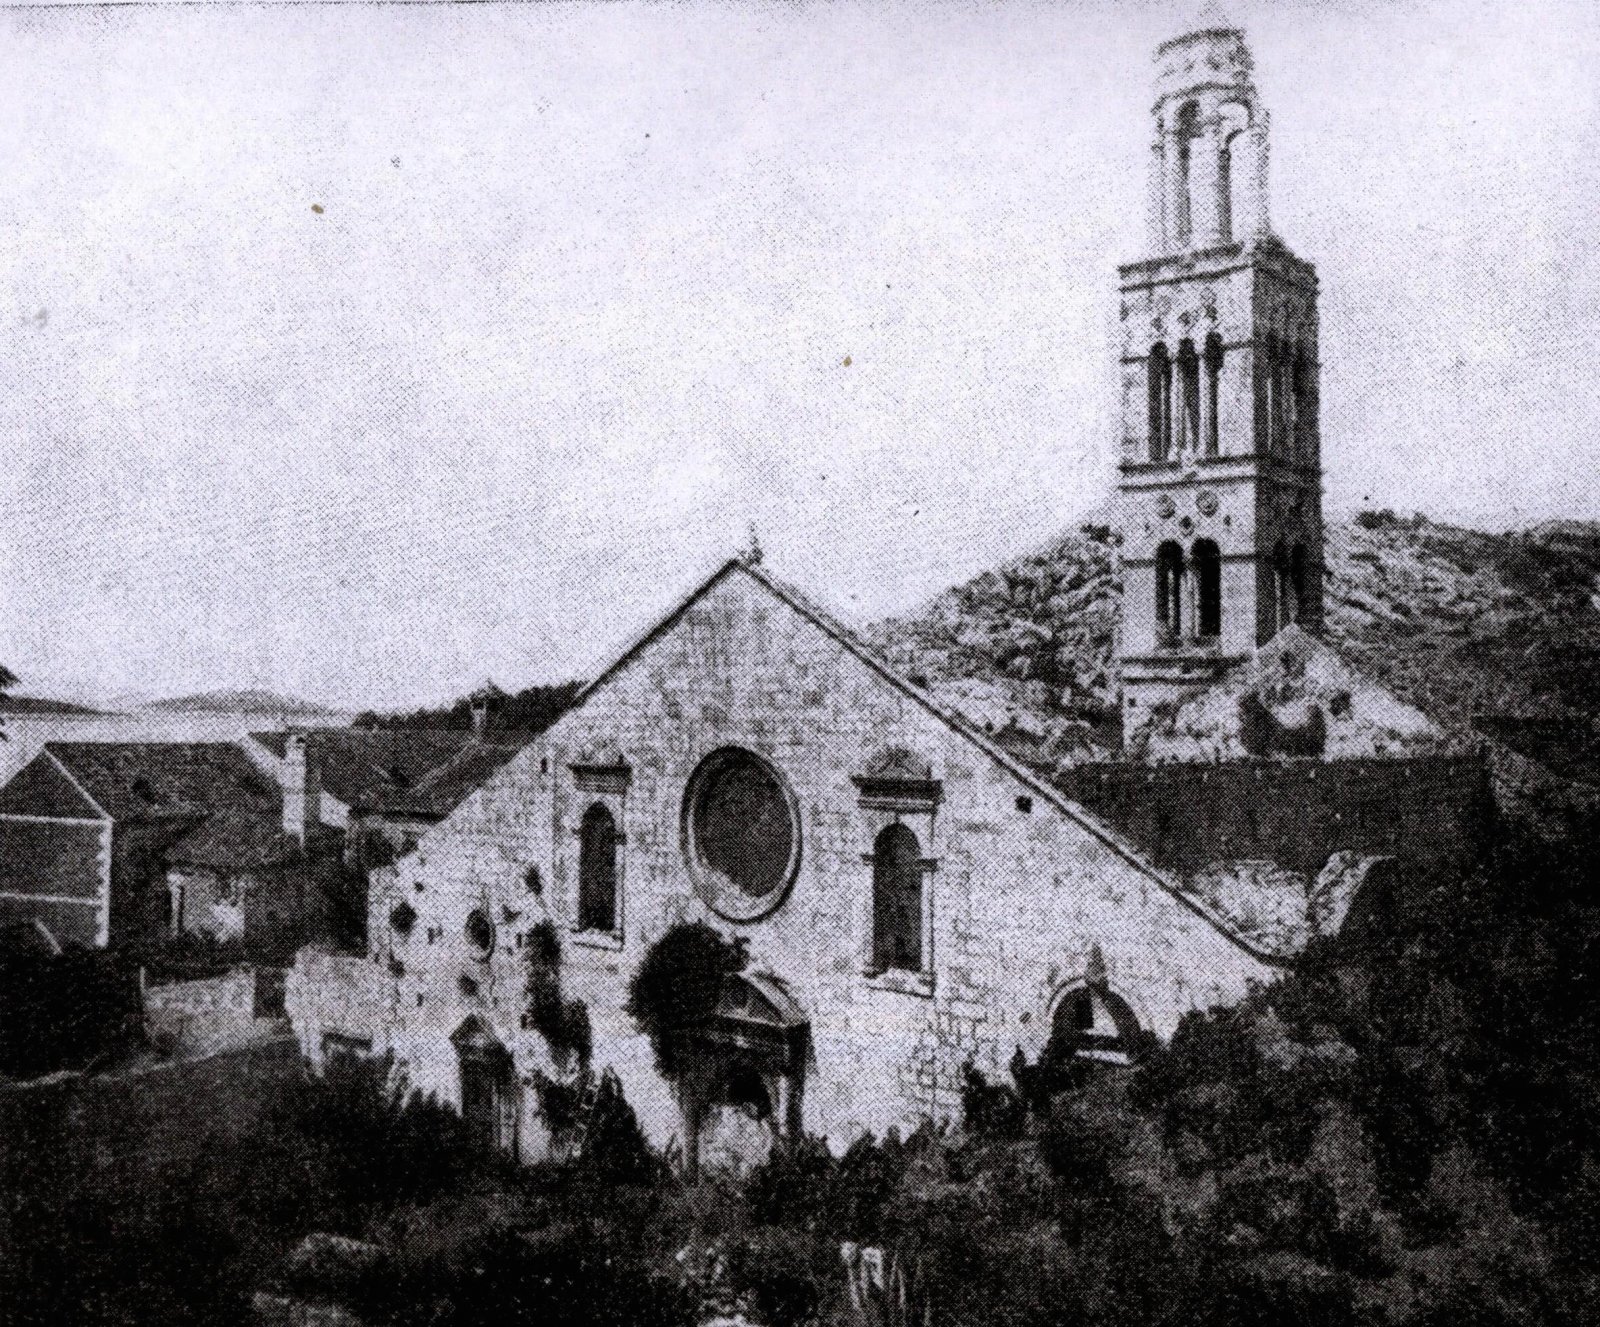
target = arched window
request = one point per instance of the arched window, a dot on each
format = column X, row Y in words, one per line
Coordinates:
column 1280, row 587
column 897, row 900
column 1188, row 398
column 597, row 871
column 1297, row 583
column 1169, row 588
column 1159, row 368
column 1213, row 391
column 1094, row 1023
column 1301, row 391
column 1207, row 562
column 1186, row 129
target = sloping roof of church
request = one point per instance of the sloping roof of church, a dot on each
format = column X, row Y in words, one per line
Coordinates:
column 854, row 644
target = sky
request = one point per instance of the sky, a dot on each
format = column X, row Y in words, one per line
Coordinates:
column 362, row 352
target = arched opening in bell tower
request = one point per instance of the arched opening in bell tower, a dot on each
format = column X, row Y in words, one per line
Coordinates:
column 1207, row 563
column 1169, row 590
column 1188, row 398
column 1159, row 367
column 1297, row 583
column 1186, row 129
column 1213, row 394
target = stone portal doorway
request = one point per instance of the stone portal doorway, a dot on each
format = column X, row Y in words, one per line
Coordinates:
column 488, row 1087
column 743, row 1079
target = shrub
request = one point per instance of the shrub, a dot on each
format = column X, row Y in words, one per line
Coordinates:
column 65, row 1011
column 990, row 1110
column 678, row 984
column 563, row 1023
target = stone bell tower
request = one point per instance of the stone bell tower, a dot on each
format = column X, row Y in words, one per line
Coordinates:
column 1220, row 488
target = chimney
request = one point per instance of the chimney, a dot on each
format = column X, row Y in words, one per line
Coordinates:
column 302, row 789
column 483, row 700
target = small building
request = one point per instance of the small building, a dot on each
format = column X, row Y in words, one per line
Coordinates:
column 90, row 830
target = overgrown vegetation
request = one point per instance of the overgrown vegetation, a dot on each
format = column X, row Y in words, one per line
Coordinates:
column 1396, row 1134
column 678, row 984
column 74, row 1010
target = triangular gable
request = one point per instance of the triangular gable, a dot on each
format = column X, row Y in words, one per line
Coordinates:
column 865, row 654
column 43, row 788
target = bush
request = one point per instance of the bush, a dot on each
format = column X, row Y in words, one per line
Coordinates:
column 66, row 1011
column 990, row 1110
column 563, row 1023
column 678, row 985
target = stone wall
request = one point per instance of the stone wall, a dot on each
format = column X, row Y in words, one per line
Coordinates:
column 195, row 1018
column 1021, row 890
column 1429, row 813
column 336, row 1000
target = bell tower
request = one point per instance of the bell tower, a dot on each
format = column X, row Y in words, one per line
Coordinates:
column 1220, row 486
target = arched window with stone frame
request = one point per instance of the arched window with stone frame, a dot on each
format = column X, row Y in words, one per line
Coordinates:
column 897, row 900
column 598, row 844
column 1169, row 589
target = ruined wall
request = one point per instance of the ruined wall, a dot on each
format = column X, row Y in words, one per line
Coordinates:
column 1020, row 893
column 1427, row 812
column 204, row 1016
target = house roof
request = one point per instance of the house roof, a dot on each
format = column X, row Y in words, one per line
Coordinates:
column 418, row 771
column 143, row 781
column 242, row 839
column 865, row 653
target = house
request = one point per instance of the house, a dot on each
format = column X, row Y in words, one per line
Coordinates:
column 384, row 787
column 126, row 843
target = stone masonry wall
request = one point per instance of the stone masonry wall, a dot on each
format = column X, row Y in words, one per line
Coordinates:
column 1020, row 894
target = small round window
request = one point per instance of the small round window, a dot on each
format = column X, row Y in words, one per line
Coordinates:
column 480, row 931
column 403, row 917
column 741, row 834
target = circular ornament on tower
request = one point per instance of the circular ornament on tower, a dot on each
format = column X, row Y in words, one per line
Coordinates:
column 1206, row 502
column 741, row 834
column 1165, row 506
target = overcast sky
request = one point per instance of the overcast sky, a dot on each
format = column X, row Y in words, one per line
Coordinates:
column 361, row 352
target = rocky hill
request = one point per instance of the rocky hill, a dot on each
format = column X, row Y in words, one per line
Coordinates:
column 1454, row 621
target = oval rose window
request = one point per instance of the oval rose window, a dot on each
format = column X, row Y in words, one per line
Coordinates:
column 741, row 834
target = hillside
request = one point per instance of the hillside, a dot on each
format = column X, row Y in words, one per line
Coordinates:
column 246, row 701
column 1456, row 622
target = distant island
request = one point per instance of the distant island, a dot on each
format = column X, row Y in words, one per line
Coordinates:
column 43, row 705
column 246, row 701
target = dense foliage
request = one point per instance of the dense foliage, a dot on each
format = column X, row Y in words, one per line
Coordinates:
column 72, row 1010
column 1402, row 1132
column 563, row 1023
column 531, row 710
column 678, row 984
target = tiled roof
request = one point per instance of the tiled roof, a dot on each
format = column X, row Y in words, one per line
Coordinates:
column 242, row 840
column 442, row 790
column 159, row 780
column 424, row 771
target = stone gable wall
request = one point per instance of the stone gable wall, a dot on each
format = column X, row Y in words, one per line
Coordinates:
column 1019, row 896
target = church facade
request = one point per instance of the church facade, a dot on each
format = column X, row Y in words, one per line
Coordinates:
column 912, row 899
